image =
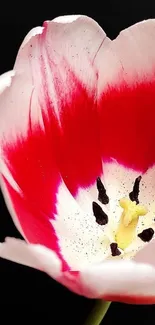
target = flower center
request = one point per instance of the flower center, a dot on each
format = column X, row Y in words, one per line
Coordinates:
column 128, row 222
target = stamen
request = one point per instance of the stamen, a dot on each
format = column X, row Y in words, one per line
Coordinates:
column 102, row 196
column 134, row 194
column 131, row 211
column 128, row 222
column 100, row 215
column 114, row 249
column 146, row 235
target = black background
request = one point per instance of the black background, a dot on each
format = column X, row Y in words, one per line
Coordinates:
column 26, row 294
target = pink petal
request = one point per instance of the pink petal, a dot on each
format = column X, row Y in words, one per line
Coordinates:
column 146, row 254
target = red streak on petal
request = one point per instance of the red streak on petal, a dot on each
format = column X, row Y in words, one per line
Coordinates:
column 127, row 124
column 69, row 149
column 34, row 169
column 137, row 300
column 78, row 153
column 79, row 157
column 77, row 148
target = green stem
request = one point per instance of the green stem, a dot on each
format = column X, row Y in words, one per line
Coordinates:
column 98, row 312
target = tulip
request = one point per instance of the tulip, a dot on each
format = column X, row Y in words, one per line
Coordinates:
column 77, row 135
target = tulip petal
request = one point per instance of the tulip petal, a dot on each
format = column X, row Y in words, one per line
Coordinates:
column 41, row 258
column 122, row 281
column 128, row 282
column 42, row 129
column 146, row 254
column 126, row 88
column 35, row 256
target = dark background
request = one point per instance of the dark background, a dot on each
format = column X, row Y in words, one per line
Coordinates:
column 26, row 294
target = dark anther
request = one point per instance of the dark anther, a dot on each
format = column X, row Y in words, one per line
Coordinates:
column 100, row 216
column 102, row 195
column 114, row 249
column 146, row 235
column 134, row 194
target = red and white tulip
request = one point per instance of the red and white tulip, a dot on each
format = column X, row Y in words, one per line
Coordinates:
column 77, row 157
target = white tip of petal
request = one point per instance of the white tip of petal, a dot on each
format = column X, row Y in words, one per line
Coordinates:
column 5, row 80
column 66, row 19
column 35, row 31
column 35, row 256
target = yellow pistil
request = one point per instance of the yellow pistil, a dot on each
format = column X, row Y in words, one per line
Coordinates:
column 128, row 222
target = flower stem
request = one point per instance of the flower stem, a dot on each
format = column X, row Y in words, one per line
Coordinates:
column 98, row 312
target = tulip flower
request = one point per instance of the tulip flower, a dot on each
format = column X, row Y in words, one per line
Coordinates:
column 77, row 142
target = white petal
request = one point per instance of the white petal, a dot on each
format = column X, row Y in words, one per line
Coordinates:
column 35, row 256
column 116, row 279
